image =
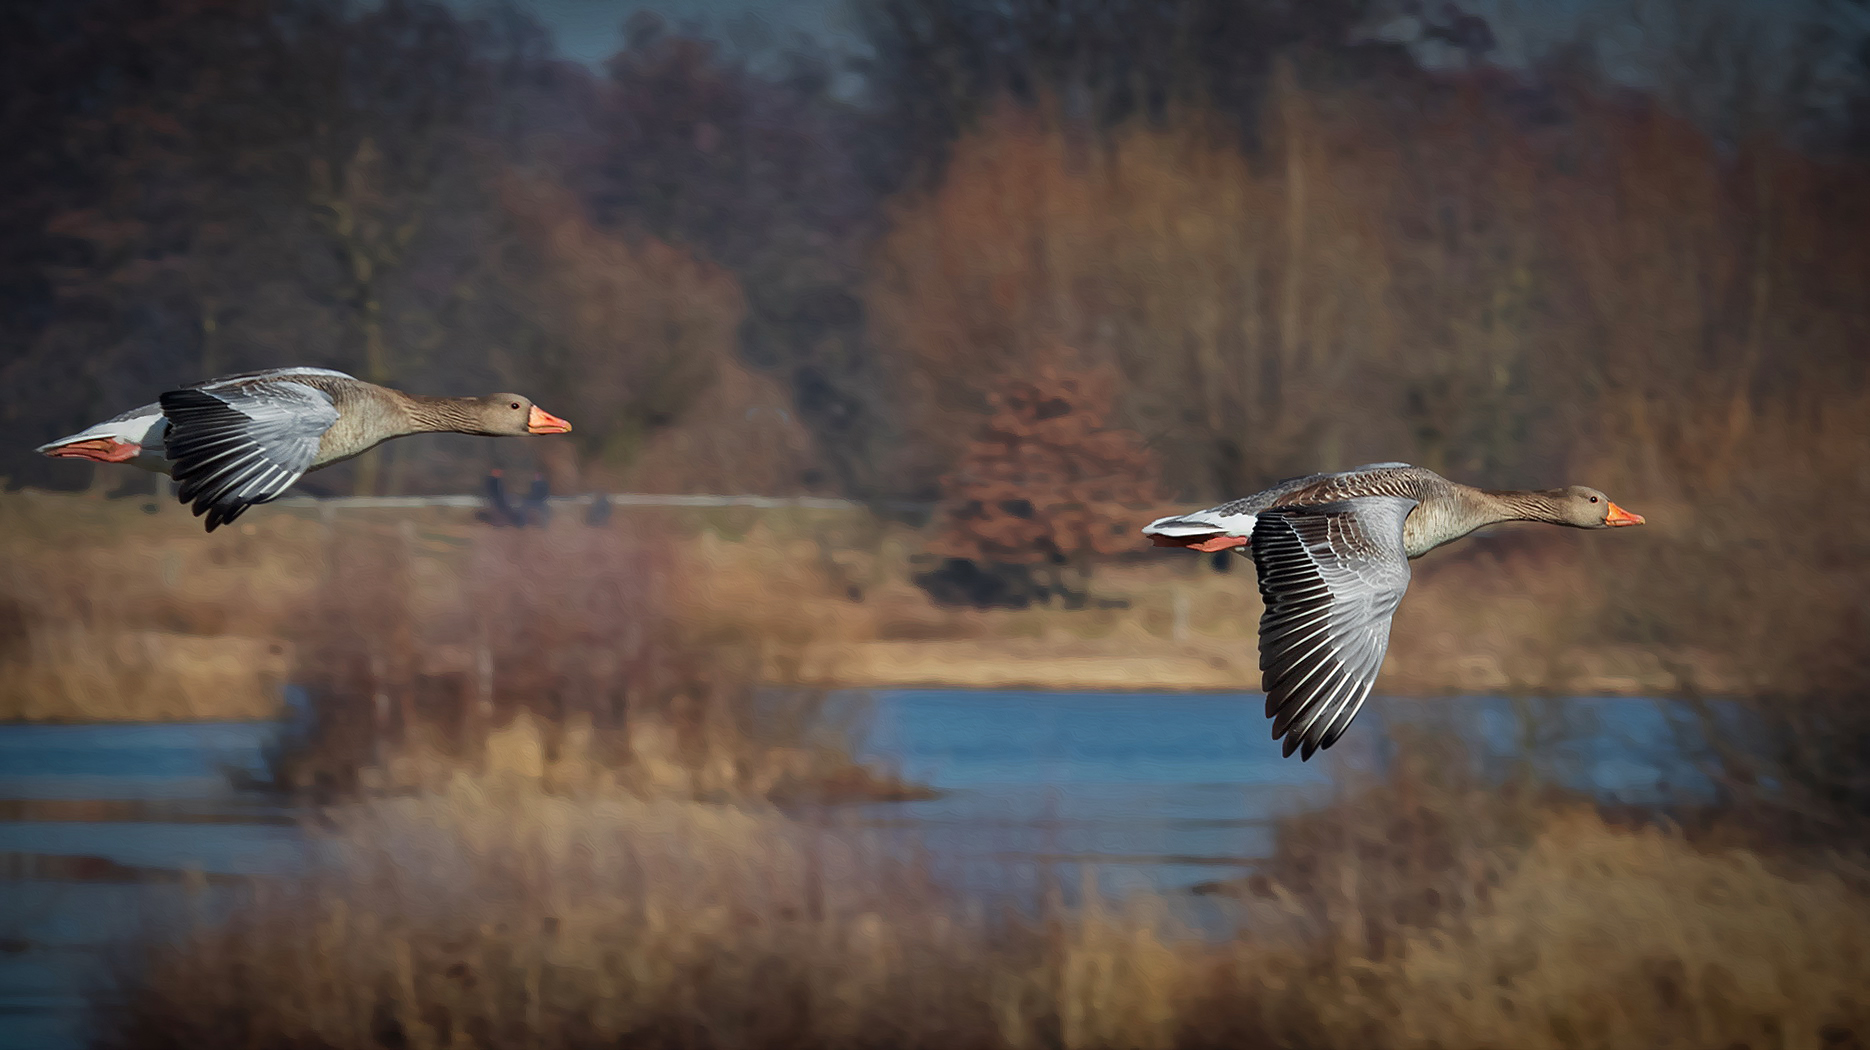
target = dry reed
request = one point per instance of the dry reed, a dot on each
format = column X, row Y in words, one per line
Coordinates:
column 555, row 652
column 110, row 613
column 486, row 912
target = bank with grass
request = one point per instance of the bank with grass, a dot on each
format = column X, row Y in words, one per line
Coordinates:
column 124, row 610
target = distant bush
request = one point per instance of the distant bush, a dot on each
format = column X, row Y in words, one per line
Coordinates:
column 1045, row 488
column 557, row 649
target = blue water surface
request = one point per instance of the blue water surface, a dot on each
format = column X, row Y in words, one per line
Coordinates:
column 1163, row 791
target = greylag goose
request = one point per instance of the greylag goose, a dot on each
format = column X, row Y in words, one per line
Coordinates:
column 244, row 439
column 1333, row 555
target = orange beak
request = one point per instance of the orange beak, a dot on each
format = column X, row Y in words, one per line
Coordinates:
column 543, row 422
column 1619, row 516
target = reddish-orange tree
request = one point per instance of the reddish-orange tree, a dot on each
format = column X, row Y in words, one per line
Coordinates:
column 1043, row 489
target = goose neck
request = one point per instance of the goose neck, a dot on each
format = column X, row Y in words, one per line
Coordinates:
column 428, row 415
column 1518, row 505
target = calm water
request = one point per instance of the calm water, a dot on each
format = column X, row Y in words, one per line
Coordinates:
column 1165, row 791
column 1137, row 790
column 147, row 804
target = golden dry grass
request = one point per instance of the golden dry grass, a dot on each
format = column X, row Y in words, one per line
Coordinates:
column 107, row 612
column 110, row 613
column 487, row 913
column 1608, row 937
column 556, row 652
column 1525, row 611
column 426, row 645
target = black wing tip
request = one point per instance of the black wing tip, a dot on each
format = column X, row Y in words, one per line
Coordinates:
column 220, row 514
column 217, row 513
column 198, row 508
column 1301, row 743
column 217, row 505
column 224, row 513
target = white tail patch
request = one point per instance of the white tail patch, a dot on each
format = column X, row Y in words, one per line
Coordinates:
column 142, row 428
column 1202, row 523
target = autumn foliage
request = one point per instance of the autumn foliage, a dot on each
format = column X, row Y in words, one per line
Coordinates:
column 1287, row 251
column 1044, row 487
column 1403, row 269
column 639, row 334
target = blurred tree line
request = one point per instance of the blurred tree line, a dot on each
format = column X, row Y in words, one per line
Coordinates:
column 1294, row 245
column 430, row 201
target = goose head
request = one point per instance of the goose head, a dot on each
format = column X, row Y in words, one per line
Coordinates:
column 1583, row 507
column 513, row 414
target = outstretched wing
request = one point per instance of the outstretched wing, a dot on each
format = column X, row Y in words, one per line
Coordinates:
column 233, row 446
column 1331, row 576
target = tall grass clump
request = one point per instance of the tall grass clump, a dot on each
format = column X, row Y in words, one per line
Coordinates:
column 555, row 653
column 1446, row 908
column 1607, row 936
column 489, row 911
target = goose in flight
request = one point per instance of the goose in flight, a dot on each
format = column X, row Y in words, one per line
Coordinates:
column 1333, row 555
column 244, row 439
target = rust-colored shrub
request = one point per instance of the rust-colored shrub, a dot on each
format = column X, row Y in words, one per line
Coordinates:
column 1045, row 487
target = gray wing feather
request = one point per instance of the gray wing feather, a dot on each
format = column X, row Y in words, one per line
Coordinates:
column 1331, row 576
column 236, row 445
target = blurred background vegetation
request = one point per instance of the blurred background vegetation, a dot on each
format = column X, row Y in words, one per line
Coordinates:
column 1280, row 238
column 1296, row 244
column 1010, row 277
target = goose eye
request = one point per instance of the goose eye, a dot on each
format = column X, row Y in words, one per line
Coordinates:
column 516, row 405
column 1593, row 498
